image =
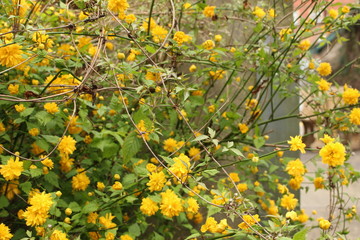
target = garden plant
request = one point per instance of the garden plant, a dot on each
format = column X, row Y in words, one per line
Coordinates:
column 155, row 119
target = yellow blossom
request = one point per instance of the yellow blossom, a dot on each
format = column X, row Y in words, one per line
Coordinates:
column 209, row 11
column 292, row 215
column 210, row 225
column 243, row 128
column 170, row 145
column 67, row 145
column 333, row 154
column 297, row 144
column 327, row 139
column 13, row 89
column 148, row 206
column 242, row 187
column 333, row 13
column 248, row 221
column 324, row 224
column 193, row 206
column 34, row 132
column 80, row 181
column 180, row 37
column 5, row 233
column 217, row 38
column 194, row 153
column 12, row 170
column 288, row 201
column 117, row 186
column 345, row 9
column 355, row 116
column 192, row 68
column 118, row 6
column 272, row 13
column 208, row 44
column 350, row 95
column 295, row 168
column 323, row 85
column 171, row 204
column 324, row 69
column 319, row 183
column 126, row 237
column 157, row 181
column 106, row 221
column 51, row 107
column 11, row 55
column 304, row 45
column 130, row 18
column 20, row 108
column 234, row 177
column 159, row 33
column 259, row 12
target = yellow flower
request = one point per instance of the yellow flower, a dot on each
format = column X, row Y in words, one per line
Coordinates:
column 118, row 6
column 20, row 108
column 295, row 183
column 327, row 139
column 66, row 163
column 117, row 185
column 234, row 176
column 288, row 201
column 10, row 55
column 2, row 127
column 148, row 206
column 58, row 235
column 333, row 154
column 51, row 107
column 194, row 153
column 350, row 95
column 217, row 38
column 242, row 187
column 92, row 217
column 73, row 125
column 142, row 130
column 210, row 225
column 180, row 37
column 219, row 74
column 345, row 9
column 243, row 128
column 12, row 169
column 304, row 44
column 324, row 69
column 67, row 145
column 10, row 189
column 126, row 237
column 159, row 33
column 303, row 217
column 292, row 215
column 171, row 204
column 170, row 145
column 209, row 11
column 271, row 13
column 34, row 132
column 192, row 68
column 47, row 162
column 37, row 213
column 193, row 206
column 208, row 44
column 157, row 181
column 295, row 168
column 324, row 224
column 5, row 232
column 355, row 116
column 80, row 181
column 323, row 85
column 13, row 89
column 181, row 167
column 106, row 221
column 100, row 186
column 249, row 220
column 259, row 12
column 319, row 183
column 130, row 18
column 333, row 13
column 297, row 144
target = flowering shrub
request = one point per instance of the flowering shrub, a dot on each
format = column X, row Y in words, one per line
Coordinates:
column 133, row 120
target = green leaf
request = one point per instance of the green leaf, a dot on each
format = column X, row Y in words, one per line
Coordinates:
column 43, row 117
column 259, row 142
column 199, row 138
column 301, row 235
column 35, row 172
column 25, row 187
column 27, row 112
column 237, row 152
column 150, row 49
column 211, row 132
column 212, row 210
column 90, row 207
column 4, row 202
column 51, row 139
column 74, row 206
column 131, row 147
column 52, row 178
column 135, row 230
column 210, row 172
column 194, row 235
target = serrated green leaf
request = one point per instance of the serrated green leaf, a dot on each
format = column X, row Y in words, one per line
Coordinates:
column 212, row 210
column 25, row 187
column 150, row 49
column 210, row 172
column 52, row 178
column 90, row 207
column 237, row 152
column 211, row 132
column 135, row 230
column 27, row 112
column 74, row 206
column 259, row 142
column 131, row 147
column 51, row 139
column 194, row 235
column 4, row 202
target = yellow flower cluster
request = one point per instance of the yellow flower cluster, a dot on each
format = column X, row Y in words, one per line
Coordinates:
column 289, row 201
column 67, row 145
column 159, row 33
column 171, row 204
column 323, row 85
column 324, row 69
column 106, row 221
column 249, row 221
column 51, row 107
column 58, row 235
column 11, row 55
column 209, row 11
column 38, row 212
column 213, row 226
column 297, row 144
column 180, row 37
column 243, row 128
column 118, row 6
column 157, row 181
column 12, row 170
column 148, row 206
column 259, row 12
column 181, row 167
column 5, row 232
column 355, row 116
column 80, row 181
column 333, row 154
column 350, row 95
column 171, row 145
